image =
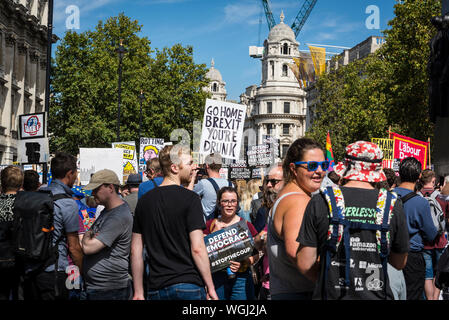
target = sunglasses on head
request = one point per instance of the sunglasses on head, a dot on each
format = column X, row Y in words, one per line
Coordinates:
column 313, row 165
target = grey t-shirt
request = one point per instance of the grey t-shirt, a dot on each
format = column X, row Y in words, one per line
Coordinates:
column 207, row 193
column 108, row 268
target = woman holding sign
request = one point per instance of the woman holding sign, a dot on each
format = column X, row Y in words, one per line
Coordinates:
column 304, row 168
column 235, row 283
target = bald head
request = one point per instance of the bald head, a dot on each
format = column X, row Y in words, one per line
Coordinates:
column 275, row 179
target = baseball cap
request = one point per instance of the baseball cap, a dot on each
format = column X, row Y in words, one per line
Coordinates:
column 104, row 176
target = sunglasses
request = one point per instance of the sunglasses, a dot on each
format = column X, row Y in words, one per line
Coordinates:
column 273, row 181
column 313, row 165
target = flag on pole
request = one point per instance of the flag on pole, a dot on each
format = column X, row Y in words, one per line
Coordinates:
column 329, row 152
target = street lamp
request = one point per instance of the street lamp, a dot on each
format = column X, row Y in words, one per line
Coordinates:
column 141, row 98
column 121, row 52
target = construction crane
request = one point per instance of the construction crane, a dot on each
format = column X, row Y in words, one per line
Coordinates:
column 303, row 15
column 300, row 19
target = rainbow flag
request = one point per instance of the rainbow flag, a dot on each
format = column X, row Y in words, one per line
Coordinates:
column 329, row 153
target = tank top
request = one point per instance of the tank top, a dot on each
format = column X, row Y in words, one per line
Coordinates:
column 284, row 275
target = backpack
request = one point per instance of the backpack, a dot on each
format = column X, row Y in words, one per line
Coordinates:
column 216, row 211
column 33, row 226
column 436, row 212
column 339, row 229
column 442, row 271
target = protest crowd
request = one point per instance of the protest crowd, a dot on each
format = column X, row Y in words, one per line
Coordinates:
column 306, row 229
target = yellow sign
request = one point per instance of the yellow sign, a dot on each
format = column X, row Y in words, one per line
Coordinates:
column 319, row 59
column 386, row 145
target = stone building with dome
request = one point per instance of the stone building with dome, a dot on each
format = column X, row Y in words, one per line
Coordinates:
column 217, row 87
column 23, row 50
column 277, row 106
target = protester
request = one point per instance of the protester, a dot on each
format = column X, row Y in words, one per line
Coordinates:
column 420, row 226
column 155, row 176
column 241, row 287
column 303, row 170
column 207, row 188
column 106, row 245
column 273, row 184
column 432, row 250
column 246, row 197
column 40, row 285
column 346, row 264
column 11, row 179
column 169, row 220
column 133, row 183
column 31, row 180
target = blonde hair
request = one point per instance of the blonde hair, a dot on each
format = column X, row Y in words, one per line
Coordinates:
column 246, row 190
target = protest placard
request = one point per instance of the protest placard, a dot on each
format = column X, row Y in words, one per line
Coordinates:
column 232, row 243
column 222, row 129
column 33, row 151
column 129, row 157
column 239, row 170
column 32, row 125
column 149, row 149
column 408, row 147
column 96, row 159
column 386, row 145
column 260, row 155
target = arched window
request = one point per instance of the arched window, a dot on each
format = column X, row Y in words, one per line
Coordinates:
column 284, row 70
column 214, row 87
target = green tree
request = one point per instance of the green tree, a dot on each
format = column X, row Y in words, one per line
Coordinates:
column 389, row 88
column 83, row 112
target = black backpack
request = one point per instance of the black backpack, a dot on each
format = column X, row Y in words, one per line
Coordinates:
column 34, row 225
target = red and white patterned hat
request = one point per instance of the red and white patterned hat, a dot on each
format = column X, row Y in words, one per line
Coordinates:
column 363, row 162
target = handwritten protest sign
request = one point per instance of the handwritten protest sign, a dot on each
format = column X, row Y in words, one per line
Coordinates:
column 222, row 128
column 260, row 155
column 386, row 145
column 408, row 147
column 232, row 243
column 239, row 170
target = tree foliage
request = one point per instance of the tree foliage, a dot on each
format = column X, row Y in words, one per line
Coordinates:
column 83, row 111
column 389, row 88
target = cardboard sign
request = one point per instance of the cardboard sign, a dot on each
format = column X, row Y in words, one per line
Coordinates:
column 96, row 159
column 232, row 243
column 32, row 151
column 32, row 125
column 222, row 128
column 149, row 149
column 405, row 147
column 239, row 171
column 129, row 157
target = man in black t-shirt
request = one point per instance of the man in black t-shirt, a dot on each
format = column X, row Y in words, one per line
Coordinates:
column 169, row 220
column 355, row 270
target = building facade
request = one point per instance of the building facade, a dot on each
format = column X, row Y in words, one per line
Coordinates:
column 23, row 63
column 277, row 107
column 217, row 87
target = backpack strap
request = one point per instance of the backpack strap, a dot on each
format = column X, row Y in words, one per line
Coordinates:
column 154, row 183
column 214, row 184
column 408, row 196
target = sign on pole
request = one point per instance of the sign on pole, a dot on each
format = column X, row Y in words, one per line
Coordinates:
column 232, row 243
column 386, row 145
column 32, row 125
column 408, row 147
column 222, row 128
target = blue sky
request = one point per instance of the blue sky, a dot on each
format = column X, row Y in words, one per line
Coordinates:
column 224, row 29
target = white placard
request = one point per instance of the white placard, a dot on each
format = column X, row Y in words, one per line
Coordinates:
column 32, row 150
column 32, row 125
column 149, row 149
column 96, row 159
column 222, row 128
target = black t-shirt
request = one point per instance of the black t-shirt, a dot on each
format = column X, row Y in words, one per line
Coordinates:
column 366, row 273
column 165, row 216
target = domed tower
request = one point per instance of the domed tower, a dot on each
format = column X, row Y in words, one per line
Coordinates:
column 217, row 87
column 278, row 106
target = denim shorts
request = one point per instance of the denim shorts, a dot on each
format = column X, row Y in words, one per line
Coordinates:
column 431, row 258
column 179, row 291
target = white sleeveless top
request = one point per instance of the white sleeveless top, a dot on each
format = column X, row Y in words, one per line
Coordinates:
column 284, row 275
